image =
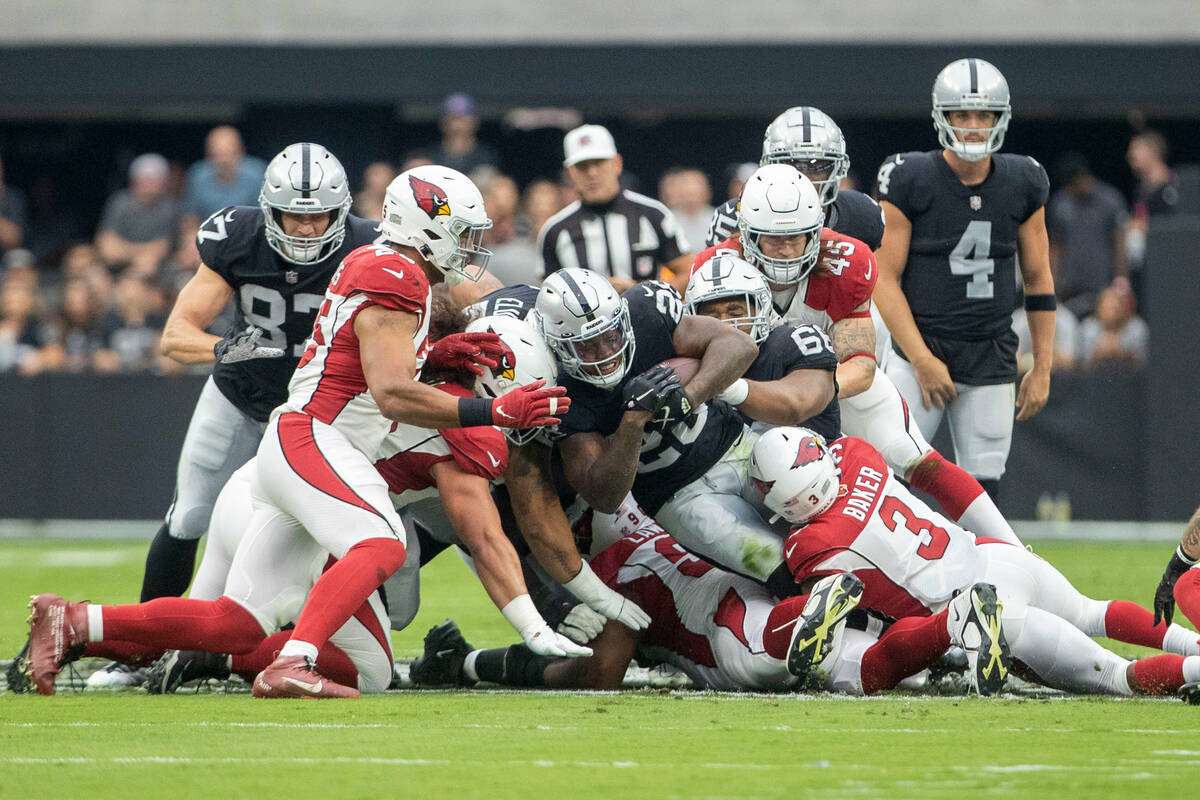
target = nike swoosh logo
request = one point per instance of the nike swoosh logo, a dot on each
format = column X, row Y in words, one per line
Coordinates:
column 495, row 463
column 313, row 688
column 500, row 411
column 399, row 274
column 789, row 552
column 899, row 160
column 870, row 266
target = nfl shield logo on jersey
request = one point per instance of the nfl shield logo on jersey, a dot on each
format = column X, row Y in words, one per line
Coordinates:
column 291, row 276
column 976, row 202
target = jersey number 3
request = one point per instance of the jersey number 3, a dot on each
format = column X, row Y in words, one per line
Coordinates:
column 934, row 540
column 970, row 257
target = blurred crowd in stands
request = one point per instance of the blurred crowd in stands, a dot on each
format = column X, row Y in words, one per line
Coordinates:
column 74, row 301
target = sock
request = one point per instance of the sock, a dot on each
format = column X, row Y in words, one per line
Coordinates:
column 488, row 666
column 332, row 661
column 1187, row 595
column 294, row 647
column 468, row 667
column 961, row 496
column 131, row 653
column 169, row 565
column 907, row 647
column 178, row 623
column 1129, row 622
column 780, row 622
column 345, row 586
column 1159, row 675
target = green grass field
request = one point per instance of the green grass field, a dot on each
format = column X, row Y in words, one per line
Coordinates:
column 643, row 743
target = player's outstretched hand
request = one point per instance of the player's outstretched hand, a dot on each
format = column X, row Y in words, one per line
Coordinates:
column 937, row 389
column 620, row 608
column 647, row 392
column 1033, row 394
column 244, row 346
column 581, row 624
column 1164, row 595
column 545, row 642
column 533, row 405
column 468, row 351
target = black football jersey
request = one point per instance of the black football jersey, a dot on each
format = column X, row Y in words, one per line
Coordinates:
column 789, row 348
column 852, row 213
column 673, row 458
column 510, row 301
column 280, row 297
column 961, row 275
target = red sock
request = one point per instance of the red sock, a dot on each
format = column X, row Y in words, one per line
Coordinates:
column 946, row 482
column 780, row 622
column 345, row 586
column 1129, row 622
column 1187, row 595
column 1158, row 674
column 180, row 623
column 131, row 653
column 909, row 646
column 332, row 662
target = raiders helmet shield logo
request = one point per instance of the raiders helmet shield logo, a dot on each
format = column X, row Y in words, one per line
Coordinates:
column 810, row 451
column 430, row 198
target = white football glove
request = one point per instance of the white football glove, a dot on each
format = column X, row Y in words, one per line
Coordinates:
column 603, row 600
column 581, row 624
column 537, row 635
column 244, row 346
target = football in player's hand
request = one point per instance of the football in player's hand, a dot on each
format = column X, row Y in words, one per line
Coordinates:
column 686, row 368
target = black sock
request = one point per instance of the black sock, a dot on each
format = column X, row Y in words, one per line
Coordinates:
column 516, row 665
column 489, row 665
column 992, row 487
column 169, row 566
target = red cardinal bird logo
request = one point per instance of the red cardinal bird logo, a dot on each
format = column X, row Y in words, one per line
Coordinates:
column 430, row 198
column 809, row 452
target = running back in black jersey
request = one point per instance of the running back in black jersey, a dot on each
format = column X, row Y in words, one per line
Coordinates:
column 960, row 279
column 280, row 297
column 851, row 213
column 510, row 301
column 789, row 348
column 673, row 458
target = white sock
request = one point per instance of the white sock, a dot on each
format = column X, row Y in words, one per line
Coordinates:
column 294, row 647
column 468, row 667
column 1191, row 669
column 95, row 616
column 983, row 519
column 1180, row 640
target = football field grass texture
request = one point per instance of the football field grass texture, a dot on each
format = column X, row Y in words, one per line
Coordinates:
column 642, row 743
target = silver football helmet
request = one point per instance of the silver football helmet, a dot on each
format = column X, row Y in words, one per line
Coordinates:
column 305, row 179
column 971, row 84
column 809, row 140
column 587, row 325
column 726, row 276
column 530, row 360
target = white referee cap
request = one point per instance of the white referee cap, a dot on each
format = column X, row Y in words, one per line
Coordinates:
column 588, row 142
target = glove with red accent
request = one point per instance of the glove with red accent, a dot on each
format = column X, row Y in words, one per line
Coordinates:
column 534, row 405
column 468, row 351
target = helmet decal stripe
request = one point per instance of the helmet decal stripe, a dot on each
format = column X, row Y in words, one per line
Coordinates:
column 806, row 122
column 588, row 311
column 974, row 75
column 305, row 170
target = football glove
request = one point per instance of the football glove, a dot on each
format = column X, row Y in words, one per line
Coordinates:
column 468, row 351
column 648, row 391
column 677, row 407
column 244, row 346
column 604, row 601
column 545, row 642
column 530, row 406
column 1164, row 595
column 581, row 624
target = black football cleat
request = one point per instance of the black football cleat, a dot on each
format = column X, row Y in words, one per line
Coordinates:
column 441, row 663
column 177, row 667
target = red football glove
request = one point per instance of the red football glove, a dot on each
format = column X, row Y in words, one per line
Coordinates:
column 469, row 351
column 530, row 406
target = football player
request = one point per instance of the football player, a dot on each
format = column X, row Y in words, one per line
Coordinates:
column 850, row 514
column 1181, row 580
column 960, row 220
column 824, row 278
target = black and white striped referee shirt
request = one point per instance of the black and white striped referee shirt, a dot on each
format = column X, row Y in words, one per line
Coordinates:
column 629, row 237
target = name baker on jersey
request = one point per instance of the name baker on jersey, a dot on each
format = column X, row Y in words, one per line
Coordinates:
column 864, row 494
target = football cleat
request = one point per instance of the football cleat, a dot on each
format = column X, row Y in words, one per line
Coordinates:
column 828, row 604
column 17, row 675
column 974, row 625
column 58, row 632
column 116, row 676
column 1190, row 693
column 441, row 663
column 177, row 667
column 297, row 676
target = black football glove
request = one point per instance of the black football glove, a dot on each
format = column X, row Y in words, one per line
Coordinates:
column 244, row 346
column 1164, row 595
column 677, row 407
column 648, row 391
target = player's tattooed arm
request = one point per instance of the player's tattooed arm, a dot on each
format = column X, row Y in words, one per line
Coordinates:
column 1190, row 542
column 538, row 512
column 854, row 345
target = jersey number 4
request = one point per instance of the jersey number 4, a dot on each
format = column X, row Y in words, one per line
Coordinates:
column 970, row 257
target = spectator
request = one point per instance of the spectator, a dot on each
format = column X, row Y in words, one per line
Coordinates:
column 541, row 201
column 738, row 175
column 1157, row 192
column 1086, row 223
column 138, row 223
column 1115, row 334
column 75, row 337
column 130, row 330
column 368, row 203
column 687, row 193
column 226, row 177
column 12, row 215
column 1066, row 340
column 413, row 159
column 514, row 259
column 460, row 147
column 21, row 334
column 623, row 235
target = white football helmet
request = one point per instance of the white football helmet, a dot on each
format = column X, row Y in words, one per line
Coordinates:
column 531, row 361
column 304, row 179
column 966, row 84
column 779, row 201
column 587, row 325
column 794, row 474
column 440, row 212
column 727, row 276
column 809, row 140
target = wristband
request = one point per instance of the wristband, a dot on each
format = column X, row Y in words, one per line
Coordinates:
column 1040, row 302
column 522, row 615
column 586, row 586
column 1182, row 556
column 474, row 411
column 735, row 393
column 860, row 353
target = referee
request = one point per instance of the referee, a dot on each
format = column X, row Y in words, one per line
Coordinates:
column 623, row 235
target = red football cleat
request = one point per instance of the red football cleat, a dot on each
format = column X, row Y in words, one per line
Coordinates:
column 297, row 676
column 58, row 632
